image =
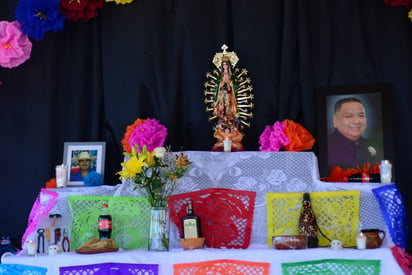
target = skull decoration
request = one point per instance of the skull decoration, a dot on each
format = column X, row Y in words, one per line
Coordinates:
column 54, row 249
column 336, row 244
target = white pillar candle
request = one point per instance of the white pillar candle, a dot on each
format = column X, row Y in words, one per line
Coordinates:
column 361, row 241
column 61, row 175
column 227, row 145
column 385, row 170
column 31, row 248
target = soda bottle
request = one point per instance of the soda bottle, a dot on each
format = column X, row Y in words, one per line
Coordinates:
column 105, row 223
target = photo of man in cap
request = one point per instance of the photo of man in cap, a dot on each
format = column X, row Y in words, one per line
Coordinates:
column 82, row 165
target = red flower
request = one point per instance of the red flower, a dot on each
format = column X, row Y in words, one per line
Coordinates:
column 80, row 9
column 338, row 174
column 51, row 183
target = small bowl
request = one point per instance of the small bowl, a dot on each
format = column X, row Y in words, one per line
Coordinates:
column 289, row 242
column 192, row 243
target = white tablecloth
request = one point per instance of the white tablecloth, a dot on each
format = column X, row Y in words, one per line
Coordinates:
column 165, row 260
column 261, row 172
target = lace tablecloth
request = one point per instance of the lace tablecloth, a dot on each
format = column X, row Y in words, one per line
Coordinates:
column 260, row 172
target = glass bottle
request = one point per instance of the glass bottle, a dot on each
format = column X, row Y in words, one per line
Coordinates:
column 105, row 223
column 191, row 223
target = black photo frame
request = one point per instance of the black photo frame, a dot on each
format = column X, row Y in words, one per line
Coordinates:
column 377, row 102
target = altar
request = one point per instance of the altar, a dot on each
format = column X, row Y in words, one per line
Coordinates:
column 261, row 172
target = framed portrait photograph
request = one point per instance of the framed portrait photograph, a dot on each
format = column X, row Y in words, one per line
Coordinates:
column 82, row 158
column 354, row 126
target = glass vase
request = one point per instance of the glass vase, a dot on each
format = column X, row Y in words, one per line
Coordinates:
column 159, row 229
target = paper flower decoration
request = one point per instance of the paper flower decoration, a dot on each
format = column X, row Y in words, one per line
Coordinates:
column 398, row 3
column 286, row 134
column 80, row 9
column 15, row 47
column 51, row 183
column 38, row 17
column 338, row 174
column 273, row 137
column 152, row 169
column 144, row 132
column 120, row 1
column 299, row 138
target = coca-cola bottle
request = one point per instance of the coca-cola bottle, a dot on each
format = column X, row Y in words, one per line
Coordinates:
column 105, row 223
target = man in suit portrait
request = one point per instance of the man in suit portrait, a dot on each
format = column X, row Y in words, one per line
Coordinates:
column 347, row 146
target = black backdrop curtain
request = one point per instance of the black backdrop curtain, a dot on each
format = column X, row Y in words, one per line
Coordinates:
column 149, row 59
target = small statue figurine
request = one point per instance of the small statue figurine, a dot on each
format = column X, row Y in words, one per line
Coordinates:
column 229, row 99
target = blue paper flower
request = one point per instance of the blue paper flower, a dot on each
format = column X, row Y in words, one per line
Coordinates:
column 93, row 179
column 36, row 17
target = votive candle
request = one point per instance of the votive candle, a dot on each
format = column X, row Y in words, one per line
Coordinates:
column 61, row 175
column 227, row 145
column 31, row 247
column 361, row 241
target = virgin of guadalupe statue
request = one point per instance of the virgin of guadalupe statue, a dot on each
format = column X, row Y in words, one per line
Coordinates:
column 228, row 99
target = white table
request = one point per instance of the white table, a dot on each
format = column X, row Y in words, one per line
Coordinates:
column 255, row 171
column 165, row 260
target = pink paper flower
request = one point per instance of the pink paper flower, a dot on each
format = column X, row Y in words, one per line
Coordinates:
column 15, row 47
column 149, row 133
column 273, row 137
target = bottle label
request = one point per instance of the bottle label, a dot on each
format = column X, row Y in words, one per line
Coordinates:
column 190, row 229
column 105, row 224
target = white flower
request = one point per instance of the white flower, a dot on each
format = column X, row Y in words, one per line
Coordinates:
column 372, row 150
column 159, row 152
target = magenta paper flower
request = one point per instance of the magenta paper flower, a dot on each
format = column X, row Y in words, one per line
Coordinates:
column 15, row 47
column 273, row 137
column 149, row 133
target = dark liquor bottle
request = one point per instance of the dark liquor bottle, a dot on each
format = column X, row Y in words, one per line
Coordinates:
column 364, row 177
column 191, row 224
column 105, row 223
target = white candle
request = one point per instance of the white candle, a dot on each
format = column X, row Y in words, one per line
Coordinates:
column 61, row 175
column 31, row 248
column 361, row 241
column 227, row 145
column 385, row 170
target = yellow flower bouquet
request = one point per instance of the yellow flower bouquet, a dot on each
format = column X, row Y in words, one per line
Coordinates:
column 153, row 169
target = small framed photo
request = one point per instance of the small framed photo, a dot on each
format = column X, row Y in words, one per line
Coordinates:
column 82, row 158
column 354, row 126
